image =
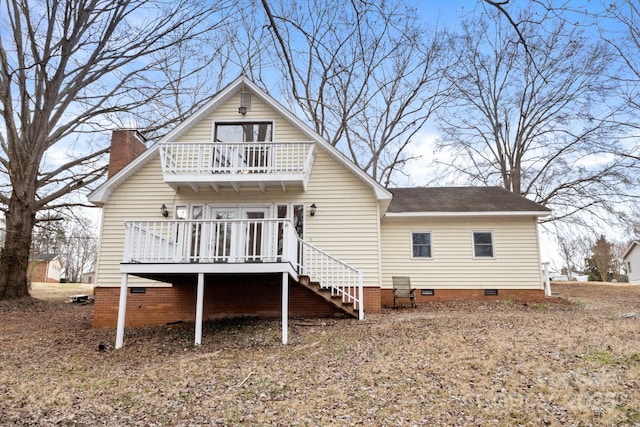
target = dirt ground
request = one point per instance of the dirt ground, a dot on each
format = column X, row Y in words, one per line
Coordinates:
column 573, row 360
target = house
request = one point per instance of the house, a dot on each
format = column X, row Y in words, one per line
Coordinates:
column 242, row 209
column 89, row 277
column 47, row 268
column 631, row 258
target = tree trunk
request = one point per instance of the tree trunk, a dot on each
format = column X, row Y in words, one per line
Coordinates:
column 14, row 260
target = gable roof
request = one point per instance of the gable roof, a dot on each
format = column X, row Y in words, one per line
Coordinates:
column 103, row 192
column 630, row 249
column 460, row 201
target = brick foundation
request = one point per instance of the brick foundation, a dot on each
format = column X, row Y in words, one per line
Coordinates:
column 223, row 297
column 256, row 296
column 466, row 294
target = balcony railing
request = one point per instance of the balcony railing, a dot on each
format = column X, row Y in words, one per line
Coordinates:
column 211, row 241
column 205, row 159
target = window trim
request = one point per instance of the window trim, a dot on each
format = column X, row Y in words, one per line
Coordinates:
column 473, row 244
column 430, row 244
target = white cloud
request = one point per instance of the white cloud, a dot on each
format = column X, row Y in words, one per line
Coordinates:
column 421, row 171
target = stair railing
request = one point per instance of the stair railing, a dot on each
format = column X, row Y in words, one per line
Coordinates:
column 331, row 273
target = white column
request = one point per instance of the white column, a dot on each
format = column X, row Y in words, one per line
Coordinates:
column 285, row 308
column 122, row 310
column 361, row 297
column 199, row 304
column 547, row 284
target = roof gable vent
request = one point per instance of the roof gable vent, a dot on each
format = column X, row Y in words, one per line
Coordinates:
column 245, row 100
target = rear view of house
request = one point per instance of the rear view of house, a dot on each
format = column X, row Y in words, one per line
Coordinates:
column 244, row 210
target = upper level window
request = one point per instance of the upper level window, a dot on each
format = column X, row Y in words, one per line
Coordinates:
column 244, row 132
column 421, row 245
column 483, row 244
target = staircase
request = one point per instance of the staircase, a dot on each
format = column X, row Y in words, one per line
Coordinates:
column 334, row 298
column 333, row 280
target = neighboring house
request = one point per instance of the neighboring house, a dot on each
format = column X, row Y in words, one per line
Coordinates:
column 631, row 260
column 47, row 268
column 243, row 210
column 89, row 277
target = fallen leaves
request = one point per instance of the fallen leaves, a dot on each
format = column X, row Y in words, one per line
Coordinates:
column 457, row 363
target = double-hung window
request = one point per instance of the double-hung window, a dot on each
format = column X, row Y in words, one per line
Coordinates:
column 421, row 244
column 483, row 244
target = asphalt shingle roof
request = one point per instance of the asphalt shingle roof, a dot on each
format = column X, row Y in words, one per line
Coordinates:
column 460, row 199
column 46, row 257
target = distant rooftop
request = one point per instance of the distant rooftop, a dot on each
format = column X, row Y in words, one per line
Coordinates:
column 47, row 257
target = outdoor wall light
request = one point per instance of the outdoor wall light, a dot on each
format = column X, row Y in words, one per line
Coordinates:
column 164, row 211
column 313, row 209
column 242, row 110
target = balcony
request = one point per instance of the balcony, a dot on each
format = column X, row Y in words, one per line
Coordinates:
column 222, row 244
column 238, row 165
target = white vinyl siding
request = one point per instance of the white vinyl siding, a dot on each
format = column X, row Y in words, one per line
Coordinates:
column 139, row 198
column 515, row 265
column 203, row 130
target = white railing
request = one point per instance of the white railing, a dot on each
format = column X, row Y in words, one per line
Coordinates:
column 331, row 273
column 203, row 158
column 241, row 241
column 211, row 241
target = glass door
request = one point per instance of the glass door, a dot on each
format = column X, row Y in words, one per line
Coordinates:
column 255, row 234
column 220, row 242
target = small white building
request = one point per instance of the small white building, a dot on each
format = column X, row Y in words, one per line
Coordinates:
column 631, row 260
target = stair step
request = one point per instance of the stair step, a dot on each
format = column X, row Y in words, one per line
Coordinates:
column 325, row 293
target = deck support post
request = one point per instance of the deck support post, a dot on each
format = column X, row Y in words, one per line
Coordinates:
column 285, row 308
column 122, row 310
column 199, row 304
column 547, row 284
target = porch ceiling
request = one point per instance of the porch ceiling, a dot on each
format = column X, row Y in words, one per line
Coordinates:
column 238, row 182
column 164, row 272
column 220, row 278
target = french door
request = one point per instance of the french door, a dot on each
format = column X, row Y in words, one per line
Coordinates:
column 235, row 241
column 220, row 235
column 254, row 234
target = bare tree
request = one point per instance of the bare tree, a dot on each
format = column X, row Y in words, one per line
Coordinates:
column 79, row 251
column 365, row 74
column 71, row 238
column 538, row 123
column 67, row 67
column 574, row 242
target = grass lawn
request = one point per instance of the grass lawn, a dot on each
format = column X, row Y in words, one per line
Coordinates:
column 573, row 360
column 59, row 291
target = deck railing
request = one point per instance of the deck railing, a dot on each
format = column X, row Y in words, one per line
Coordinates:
column 331, row 273
column 204, row 158
column 241, row 241
column 210, row 241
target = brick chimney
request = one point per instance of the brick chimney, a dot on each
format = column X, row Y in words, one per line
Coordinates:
column 126, row 145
